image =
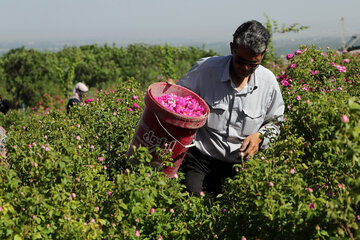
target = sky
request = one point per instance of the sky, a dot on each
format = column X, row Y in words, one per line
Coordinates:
column 131, row 21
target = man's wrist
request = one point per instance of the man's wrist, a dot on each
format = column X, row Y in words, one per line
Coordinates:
column 261, row 137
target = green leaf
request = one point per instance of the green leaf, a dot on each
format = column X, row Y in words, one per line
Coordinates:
column 259, row 202
column 36, row 236
column 17, row 237
column 324, row 233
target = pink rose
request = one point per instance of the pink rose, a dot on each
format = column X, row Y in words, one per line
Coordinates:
column 289, row 56
column 152, row 211
column 345, row 119
column 292, row 65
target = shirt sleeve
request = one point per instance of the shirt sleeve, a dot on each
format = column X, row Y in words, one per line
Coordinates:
column 192, row 78
column 270, row 130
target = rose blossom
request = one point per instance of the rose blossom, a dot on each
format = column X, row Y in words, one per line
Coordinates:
column 152, row 210
column 345, row 119
column 187, row 105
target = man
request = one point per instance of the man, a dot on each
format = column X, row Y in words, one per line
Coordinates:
column 4, row 108
column 4, row 105
column 78, row 92
column 246, row 107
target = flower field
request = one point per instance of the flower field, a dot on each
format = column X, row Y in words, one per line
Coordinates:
column 67, row 176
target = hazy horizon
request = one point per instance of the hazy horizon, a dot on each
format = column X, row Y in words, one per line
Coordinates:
column 281, row 45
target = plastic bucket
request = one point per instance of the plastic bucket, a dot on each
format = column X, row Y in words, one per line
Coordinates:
column 160, row 127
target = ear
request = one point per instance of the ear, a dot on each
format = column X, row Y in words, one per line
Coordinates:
column 263, row 53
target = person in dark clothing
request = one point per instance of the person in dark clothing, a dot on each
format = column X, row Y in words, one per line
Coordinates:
column 78, row 92
column 4, row 106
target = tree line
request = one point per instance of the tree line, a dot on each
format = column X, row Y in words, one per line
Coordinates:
column 27, row 74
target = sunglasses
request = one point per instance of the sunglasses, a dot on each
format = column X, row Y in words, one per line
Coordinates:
column 242, row 62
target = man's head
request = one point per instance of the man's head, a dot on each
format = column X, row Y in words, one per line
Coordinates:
column 253, row 36
column 248, row 48
column 80, row 88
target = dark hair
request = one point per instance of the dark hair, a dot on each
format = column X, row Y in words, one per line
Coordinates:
column 253, row 36
column 4, row 106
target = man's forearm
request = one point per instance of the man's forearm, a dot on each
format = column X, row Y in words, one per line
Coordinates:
column 269, row 132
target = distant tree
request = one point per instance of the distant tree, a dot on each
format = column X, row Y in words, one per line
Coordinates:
column 273, row 27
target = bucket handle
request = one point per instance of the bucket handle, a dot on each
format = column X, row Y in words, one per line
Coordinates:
column 184, row 146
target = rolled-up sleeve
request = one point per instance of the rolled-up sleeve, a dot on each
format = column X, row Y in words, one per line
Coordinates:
column 270, row 130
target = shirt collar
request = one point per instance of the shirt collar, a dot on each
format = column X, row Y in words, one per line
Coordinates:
column 252, row 83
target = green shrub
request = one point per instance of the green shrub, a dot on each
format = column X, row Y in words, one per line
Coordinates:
column 66, row 176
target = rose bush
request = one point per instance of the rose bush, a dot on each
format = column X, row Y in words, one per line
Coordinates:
column 67, row 176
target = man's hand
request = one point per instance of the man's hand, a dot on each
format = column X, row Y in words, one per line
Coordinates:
column 170, row 81
column 250, row 145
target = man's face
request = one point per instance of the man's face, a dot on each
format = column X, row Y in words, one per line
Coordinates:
column 244, row 62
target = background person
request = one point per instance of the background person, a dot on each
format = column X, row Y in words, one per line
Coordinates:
column 2, row 142
column 78, row 92
column 246, row 107
column 4, row 105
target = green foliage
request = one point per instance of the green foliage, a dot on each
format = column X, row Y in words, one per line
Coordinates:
column 67, row 77
column 29, row 74
column 68, row 176
column 167, row 68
